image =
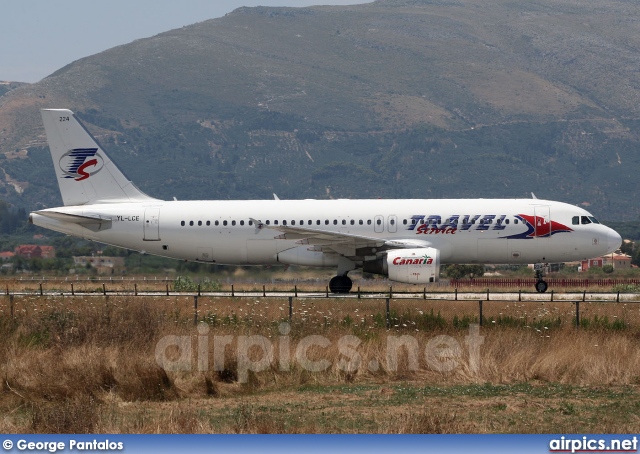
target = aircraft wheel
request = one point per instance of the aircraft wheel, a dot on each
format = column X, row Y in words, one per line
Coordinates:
column 541, row 286
column 340, row 284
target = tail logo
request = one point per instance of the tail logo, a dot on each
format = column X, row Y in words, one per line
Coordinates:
column 81, row 163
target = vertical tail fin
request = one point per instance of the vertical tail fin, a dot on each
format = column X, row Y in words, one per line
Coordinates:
column 85, row 173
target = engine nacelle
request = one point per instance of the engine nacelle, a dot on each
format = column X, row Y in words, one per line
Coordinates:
column 411, row 266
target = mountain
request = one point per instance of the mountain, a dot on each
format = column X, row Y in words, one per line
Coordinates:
column 395, row 98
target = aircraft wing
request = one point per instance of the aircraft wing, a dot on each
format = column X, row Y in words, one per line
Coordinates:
column 346, row 244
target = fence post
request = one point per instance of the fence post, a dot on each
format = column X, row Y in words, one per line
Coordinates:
column 198, row 289
column 456, row 292
column 618, row 297
column 295, row 291
column 480, row 304
column 104, row 289
column 290, row 309
column 40, row 288
column 135, row 289
column 388, row 315
column 72, row 292
column 327, row 291
column 167, row 289
column 195, row 310
column 233, row 292
column 10, row 305
column 487, row 294
column 584, row 294
column 424, row 293
column 264, row 291
column 358, row 292
column 577, row 314
column 552, row 296
column 390, row 291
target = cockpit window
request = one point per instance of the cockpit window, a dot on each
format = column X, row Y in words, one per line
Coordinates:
column 585, row 220
column 575, row 220
column 594, row 220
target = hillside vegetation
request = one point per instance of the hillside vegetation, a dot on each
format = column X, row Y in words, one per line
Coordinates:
column 387, row 99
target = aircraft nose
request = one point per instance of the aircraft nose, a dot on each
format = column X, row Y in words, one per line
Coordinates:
column 614, row 241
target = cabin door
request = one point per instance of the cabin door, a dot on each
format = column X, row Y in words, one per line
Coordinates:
column 542, row 220
column 152, row 224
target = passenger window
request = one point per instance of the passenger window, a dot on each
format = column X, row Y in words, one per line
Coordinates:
column 326, row 222
column 284, row 222
column 310, row 222
column 199, row 222
column 275, row 222
column 190, row 222
column 182, row 223
column 293, row 222
column 506, row 221
column 404, row 222
column 378, row 222
column 217, row 222
column 575, row 220
column 368, row 221
column 515, row 221
column 241, row 222
column 335, row 222
column 392, row 222
column 585, row 220
column 208, row 222
column 233, row 222
column 250, row 222
column 268, row 222
column 224, row 223
column 360, row 222
column 318, row 222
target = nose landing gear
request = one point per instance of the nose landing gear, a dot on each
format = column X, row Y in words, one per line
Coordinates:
column 541, row 284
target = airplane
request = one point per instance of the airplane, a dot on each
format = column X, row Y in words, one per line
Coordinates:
column 406, row 240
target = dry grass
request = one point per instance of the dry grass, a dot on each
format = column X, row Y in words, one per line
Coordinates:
column 88, row 365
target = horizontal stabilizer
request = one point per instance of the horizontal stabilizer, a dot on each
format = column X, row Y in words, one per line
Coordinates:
column 90, row 221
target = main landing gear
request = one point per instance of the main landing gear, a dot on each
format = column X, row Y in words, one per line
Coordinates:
column 541, row 284
column 340, row 284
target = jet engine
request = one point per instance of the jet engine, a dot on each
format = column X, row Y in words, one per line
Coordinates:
column 410, row 266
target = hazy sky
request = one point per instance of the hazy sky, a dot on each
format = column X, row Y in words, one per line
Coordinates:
column 37, row 37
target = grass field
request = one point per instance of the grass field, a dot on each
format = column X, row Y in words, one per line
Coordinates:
column 91, row 364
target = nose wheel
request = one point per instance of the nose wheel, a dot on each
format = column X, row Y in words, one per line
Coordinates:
column 340, row 284
column 541, row 285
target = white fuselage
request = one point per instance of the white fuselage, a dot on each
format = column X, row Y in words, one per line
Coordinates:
column 500, row 231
